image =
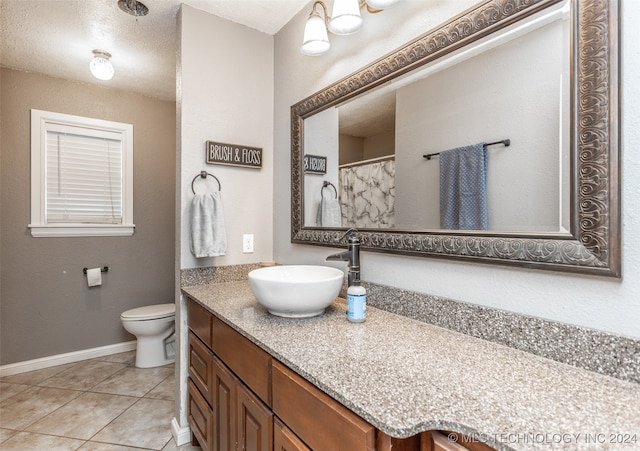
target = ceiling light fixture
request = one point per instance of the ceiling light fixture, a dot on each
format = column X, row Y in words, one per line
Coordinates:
column 101, row 66
column 345, row 19
column 134, row 7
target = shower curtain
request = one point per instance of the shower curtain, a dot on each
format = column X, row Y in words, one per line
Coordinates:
column 367, row 195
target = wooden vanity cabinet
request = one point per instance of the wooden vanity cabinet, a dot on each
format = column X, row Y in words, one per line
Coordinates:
column 225, row 411
column 240, row 398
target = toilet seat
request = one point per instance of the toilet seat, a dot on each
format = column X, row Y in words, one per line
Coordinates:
column 158, row 311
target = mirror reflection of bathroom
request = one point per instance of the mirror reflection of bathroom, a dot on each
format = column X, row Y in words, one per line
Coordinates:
column 509, row 86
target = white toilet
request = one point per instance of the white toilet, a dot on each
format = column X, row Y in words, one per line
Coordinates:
column 153, row 326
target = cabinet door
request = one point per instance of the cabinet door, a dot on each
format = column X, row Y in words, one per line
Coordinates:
column 285, row 440
column 254, row 422
column 223, row 402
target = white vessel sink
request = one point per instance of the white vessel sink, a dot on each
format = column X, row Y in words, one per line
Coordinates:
column 296, row 291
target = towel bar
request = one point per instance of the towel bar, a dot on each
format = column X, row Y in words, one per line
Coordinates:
column 204, row 174
column 506, row 142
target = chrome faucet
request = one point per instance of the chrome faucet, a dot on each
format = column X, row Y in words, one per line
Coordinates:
column 352, row 255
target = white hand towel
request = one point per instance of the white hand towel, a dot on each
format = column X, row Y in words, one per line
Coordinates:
column 329, row 213
column 208, row 234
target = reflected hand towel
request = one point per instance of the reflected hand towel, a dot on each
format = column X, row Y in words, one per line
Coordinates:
column 329, row 214
column 208, row 234
column 463, row 188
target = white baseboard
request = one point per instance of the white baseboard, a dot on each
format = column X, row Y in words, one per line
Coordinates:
column 180, row 435
column 61, row 359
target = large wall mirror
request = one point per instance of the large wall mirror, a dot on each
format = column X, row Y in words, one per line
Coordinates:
column 528, row 87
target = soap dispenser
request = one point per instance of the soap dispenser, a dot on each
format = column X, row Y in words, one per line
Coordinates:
column 356, row 293
column 356, row 302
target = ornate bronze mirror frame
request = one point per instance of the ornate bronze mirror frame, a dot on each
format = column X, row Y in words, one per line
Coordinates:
column 593, row 245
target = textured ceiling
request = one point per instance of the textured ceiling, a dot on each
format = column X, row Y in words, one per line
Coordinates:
column 56, row 37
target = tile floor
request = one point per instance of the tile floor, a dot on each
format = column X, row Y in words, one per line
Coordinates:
column 100, row 404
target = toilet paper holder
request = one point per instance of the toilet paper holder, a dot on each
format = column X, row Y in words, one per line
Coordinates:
column 105, row 269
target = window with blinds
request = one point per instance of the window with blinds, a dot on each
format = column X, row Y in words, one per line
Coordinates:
column 84, row 179
column 81, row 176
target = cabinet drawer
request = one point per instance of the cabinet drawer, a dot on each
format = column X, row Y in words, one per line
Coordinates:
column 245, row 359
column 199, row 320
column 200, row 417
column 320, row 421
column 201, row 367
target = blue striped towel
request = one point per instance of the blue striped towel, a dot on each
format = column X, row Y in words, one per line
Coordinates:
column 463, row 188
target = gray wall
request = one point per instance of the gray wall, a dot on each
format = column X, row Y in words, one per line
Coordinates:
column 46, row 307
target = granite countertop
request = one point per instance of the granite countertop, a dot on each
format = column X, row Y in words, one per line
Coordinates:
column 404, row 377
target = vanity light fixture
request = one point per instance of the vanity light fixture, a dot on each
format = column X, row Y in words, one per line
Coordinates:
column 345, row 19
column 101, row 66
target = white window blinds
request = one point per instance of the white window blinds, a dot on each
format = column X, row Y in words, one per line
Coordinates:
column 83, row 178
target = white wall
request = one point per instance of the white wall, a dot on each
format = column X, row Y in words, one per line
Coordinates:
column 320, row 138
column 498, row 94
column 226, row 95
column 604, row 304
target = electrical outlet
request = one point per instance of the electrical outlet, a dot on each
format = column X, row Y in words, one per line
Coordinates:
column 247, row 243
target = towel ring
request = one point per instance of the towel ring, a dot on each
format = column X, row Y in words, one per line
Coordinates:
column 204, row 174
column 324, row 185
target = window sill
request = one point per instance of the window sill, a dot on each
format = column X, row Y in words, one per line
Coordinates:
column 80, row 230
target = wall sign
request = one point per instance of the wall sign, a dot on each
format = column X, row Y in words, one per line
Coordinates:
column 315, row 164
column 233, row 155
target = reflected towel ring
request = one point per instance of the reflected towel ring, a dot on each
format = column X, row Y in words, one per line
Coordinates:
column 204, row 174
column 324, row 185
